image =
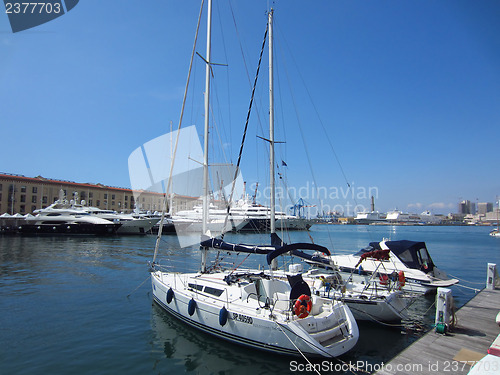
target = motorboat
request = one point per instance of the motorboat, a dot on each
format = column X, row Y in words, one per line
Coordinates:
column 191, row 220
column 387, row 258
column 130, row 224
column 61, row 218
column 258, row 218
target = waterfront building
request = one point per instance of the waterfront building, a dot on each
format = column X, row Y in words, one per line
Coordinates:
column 23, row 195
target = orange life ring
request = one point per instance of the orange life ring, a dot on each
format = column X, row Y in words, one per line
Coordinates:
column 384, row 279
column 303, row 306
column 401, row 279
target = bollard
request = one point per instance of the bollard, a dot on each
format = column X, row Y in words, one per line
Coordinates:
column 444, row 309
column 492, row 276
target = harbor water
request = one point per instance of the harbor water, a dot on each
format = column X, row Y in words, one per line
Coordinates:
column 83, row 305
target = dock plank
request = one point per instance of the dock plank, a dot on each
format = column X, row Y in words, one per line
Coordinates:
column 433, row 353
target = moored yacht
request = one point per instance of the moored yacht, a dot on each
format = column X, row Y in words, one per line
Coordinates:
column 60, row 218
column 129, row 223
column 254, row 309
column 388, row 258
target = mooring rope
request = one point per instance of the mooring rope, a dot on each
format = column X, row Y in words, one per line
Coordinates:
column 300, row 351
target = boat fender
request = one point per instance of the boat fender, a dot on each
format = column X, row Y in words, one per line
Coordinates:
column 303, row 306
column 401, row 279
column 170, row 295
column 383, row 279
column 223, row 316
column 191, row 307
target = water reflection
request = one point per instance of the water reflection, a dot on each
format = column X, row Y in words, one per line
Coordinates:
column 189, row 350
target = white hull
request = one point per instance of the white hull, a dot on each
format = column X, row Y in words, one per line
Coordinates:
column 495, row 233
column 325, row 334
column 374, row 304
column 416, row 281
column 137, row 226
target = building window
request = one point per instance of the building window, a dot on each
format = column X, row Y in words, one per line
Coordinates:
column 98, row 203
column 125, row 205
column 22, row 209
column 105, row 195
column 91, row 194
column 33, row 199
column 23, row 198
column 112, row 203
column 23, row 189
column 90, row 202
column 0, row 187
column 45, row 199
column 34, row 190
column 126, row 196
column 112, row 196
column 33, row 208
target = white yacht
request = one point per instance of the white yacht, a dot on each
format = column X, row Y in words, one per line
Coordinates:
column 129, row 223
column 191, row 220
column 254, row 309
column 258, row 217
column 61, row 218
column 387, row 258
column 398, row 217
column 369, row 217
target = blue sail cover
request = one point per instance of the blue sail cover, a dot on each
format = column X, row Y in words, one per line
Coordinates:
column 216, row 243
column 277, row 248
column 295, row 249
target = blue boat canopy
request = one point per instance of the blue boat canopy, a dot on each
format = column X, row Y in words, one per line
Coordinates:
column 413, row 254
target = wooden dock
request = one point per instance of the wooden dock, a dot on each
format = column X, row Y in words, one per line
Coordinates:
column 435, row 353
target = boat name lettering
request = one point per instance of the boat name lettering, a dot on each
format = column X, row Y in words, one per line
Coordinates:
column 242, row 318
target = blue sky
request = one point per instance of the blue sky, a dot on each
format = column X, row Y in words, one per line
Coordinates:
column 408, row 93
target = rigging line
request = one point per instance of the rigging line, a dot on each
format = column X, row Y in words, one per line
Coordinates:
column 224, row 48
column 323, row 128
column 164, row 208
column 147, row 278
column 304, row 142
column 243, row 57
column 215, row 125
column 246, row 128
column 321, row 122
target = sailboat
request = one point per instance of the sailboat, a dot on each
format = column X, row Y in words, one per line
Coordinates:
column 496, row 232
column 249, row 307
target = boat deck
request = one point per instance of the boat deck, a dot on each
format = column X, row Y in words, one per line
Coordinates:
column 436, row 353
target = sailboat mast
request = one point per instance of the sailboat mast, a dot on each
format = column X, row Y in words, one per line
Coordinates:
column 205, row 140
column 271, row 125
